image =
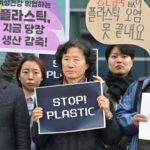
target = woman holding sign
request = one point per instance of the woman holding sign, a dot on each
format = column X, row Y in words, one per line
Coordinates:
column 77, row 62
column 30, row 74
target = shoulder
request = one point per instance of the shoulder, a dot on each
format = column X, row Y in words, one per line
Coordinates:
column 8, row 86
column 11, row 94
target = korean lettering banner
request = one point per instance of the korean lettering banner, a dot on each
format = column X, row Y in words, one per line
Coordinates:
column 119, row 22
column 69, row 108
column 33, row 26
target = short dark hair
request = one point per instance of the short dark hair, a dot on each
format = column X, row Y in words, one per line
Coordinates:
column 124, row 48
column 87, row 50
column 32, row 58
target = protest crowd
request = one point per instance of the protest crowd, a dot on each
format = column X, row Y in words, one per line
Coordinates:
column 76, row 60
column 78, row 110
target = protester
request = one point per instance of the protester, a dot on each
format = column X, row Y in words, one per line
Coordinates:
column 14, row 118
column 129, row 118
column 120, row 61
column 30, row 74
column 77, row 62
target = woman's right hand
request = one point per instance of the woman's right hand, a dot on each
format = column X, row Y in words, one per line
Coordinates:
column 37, row 114
column 138, row 118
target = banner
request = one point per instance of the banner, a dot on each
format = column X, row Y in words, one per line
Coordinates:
column 33, row 26
column 70, row 108
column 119, row 22
column 53, row 73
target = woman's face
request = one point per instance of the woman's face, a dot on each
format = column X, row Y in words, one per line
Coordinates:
column 119, row 63
column 30, row 75
column 74, row 65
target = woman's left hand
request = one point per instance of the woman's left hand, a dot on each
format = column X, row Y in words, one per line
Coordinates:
column 104, row 103
column 98, row 78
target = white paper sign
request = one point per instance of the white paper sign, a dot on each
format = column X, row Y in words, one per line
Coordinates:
column 144, row 127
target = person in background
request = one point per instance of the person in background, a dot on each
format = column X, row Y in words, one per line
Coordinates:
column 14, row 118
column 77, row 62
column 30, row 74
column 129, row 118
column 120, row 61
column 9, row 66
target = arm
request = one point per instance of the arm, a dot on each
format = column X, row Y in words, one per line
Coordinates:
column 21, row 123
column 39, row 140
column 125, row 112
column 9, row 66
column 110, row 135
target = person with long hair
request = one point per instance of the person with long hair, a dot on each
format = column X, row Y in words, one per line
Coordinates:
column 76, row 60
column 30, row 74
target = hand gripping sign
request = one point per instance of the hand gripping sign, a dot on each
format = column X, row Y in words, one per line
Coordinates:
column 119, row 22
column 70, row 108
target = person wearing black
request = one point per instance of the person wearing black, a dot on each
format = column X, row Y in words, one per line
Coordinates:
column 77, row 61
column 120, row 61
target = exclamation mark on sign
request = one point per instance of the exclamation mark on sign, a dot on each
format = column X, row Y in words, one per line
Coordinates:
column 85, row 101
column 45, row 42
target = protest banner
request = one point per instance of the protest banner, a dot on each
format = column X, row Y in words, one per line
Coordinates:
column 33, row 26
column 119, row 22
column 53, row 72
column 70, row 108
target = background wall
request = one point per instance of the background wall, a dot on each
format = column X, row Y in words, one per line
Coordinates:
column 78, row 30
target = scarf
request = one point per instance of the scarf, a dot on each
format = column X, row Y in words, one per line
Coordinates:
column 117, row 85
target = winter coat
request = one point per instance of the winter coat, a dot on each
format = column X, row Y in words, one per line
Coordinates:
column 14, row 118
column 83, row 140
column 125, row 113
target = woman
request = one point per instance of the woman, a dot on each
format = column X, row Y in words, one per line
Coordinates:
column 77, row 62
column 120, row 62
column 30, row 74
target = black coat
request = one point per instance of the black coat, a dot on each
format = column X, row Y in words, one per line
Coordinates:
column 14, row 118
column 83, row 140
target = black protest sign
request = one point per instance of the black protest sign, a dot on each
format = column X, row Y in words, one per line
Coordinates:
column 70, row 108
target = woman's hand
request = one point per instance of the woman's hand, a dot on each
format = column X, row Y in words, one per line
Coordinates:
column 98, row 78
column 37, row 114
column 103, row 103
column 138, row 118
